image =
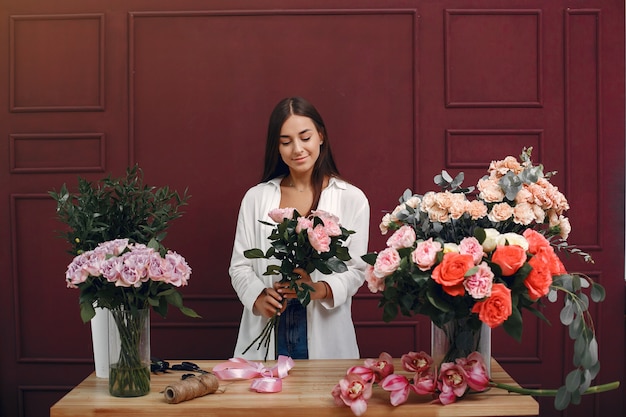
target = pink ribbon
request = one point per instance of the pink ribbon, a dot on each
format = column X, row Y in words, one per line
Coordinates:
column 264, row 379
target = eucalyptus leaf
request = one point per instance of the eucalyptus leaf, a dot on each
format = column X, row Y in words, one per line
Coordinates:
column 598, row 293
column 562, row 398
column 567, row 313
column 573, row 380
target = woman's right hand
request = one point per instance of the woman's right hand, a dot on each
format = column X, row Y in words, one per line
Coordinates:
column 269, row 303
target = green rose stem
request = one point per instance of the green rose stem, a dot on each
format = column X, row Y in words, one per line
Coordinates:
column 552, row 392
column 129, row 376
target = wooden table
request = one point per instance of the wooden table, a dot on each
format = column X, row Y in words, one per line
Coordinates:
column 306, row 392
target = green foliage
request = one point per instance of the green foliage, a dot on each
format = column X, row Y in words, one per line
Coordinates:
column 120, row 208
column 576, row 316
column 116, row 208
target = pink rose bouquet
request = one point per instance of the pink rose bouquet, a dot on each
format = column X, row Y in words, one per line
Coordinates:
column 466, row 259
column 314, row 242
column 120, row 275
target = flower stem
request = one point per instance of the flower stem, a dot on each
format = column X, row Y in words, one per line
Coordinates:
column 552, row 392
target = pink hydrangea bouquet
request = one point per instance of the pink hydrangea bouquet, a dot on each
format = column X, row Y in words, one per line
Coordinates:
column 465, row 259
column 314, row 242
column 118, row 274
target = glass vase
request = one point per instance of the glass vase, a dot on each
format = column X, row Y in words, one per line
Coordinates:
column 457, row 339
column 129, row 352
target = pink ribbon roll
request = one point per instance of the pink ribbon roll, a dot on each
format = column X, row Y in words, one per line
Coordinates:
column 265, row 379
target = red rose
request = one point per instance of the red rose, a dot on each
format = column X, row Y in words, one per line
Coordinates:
column 509, row 258
column 450, row 273
column 539, row 279
column 535, row 241
column 494, row 310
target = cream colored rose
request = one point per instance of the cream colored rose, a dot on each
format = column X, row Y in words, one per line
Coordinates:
column 491, row 240
column 450, row 247
column 512, row 239
column 500, row 212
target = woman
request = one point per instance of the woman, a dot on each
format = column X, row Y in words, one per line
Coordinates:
column 299, row 172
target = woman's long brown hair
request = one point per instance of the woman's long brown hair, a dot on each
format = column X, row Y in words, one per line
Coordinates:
column 275, row 166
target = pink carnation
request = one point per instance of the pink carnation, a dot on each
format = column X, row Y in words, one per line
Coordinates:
column 479, row 285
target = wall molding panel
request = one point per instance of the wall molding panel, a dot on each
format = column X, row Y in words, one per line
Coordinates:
column 57, row 63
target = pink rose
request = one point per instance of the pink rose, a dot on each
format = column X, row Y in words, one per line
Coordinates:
column 479, row 284
column 471, row 246
column 303, row 224
column 178, row 268
column 374, row 284
column 280, row 214
column 387, row 261
column 404, row 237
column 114, row 247
column 425, row 254
column 324, row 215
column 332, row 227
column 319, row 239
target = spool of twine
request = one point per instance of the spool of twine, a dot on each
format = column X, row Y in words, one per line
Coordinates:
column 190, row 388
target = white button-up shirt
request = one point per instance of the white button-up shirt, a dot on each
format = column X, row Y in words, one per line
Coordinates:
column 330, row 331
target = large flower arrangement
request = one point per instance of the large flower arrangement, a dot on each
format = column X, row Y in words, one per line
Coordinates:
column 115, row 228
column 314, row 242
column 484, row 259
column 128, row 215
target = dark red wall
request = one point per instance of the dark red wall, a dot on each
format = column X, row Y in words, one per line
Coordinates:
column 407, row 88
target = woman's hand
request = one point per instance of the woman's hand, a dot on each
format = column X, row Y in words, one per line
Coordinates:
column 269, row 303
column 322, row 289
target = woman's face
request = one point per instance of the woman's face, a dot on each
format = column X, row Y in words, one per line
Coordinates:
column 299, row 143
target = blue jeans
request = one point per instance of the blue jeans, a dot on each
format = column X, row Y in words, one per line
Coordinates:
column 292, row 340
